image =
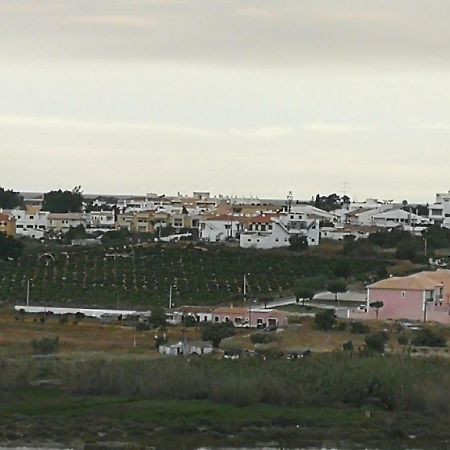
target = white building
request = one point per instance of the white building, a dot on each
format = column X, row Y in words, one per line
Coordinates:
column 278, row 231
column 439, row 212
column 220, row 228
column 31, row 222
column 100, row 219
column 399, row 217
column 311, row 212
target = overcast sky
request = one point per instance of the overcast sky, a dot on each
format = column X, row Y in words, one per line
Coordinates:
column 249, row 97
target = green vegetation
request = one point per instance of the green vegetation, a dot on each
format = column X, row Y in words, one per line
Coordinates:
column 325, row 320
column 337, row 286
column 376, row 341
column 63, row 201
column 141, row 275
column 428, row 337
column 10, row 247
column 10, row 199
column 321, row 380
column 45, row 345
column 357, row 327
column 215, row 332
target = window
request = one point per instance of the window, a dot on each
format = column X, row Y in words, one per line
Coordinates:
column 403, row 294
column 216, row 318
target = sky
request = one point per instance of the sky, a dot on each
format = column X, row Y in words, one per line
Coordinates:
column 242, row 97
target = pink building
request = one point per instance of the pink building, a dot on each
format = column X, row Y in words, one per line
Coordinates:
column 422, row 296
column 255, row 318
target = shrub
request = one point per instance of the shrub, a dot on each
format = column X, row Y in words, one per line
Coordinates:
column 359, row 328
column 347, row 346
column 375, row 342
column 325, row 320
column 428, row 337
column 189, row 321
column 45, row 346
column 341, row 326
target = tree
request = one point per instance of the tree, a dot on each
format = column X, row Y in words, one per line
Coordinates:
column 336, row 286
column 342, row 267
column 303, row 291
column 10, row 199
column 377, row 306
column 298, row 243
column 63, row 201
column 10, row 247
column 325, row 320
column 75, row 233
column 158, row 316
column 215, row 332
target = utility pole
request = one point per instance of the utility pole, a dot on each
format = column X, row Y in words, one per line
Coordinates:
column 170, row 296
column 28, row 292
column 425, row 245
column 245, row 287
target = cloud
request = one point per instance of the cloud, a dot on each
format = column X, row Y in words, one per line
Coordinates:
column 272, row 132
column 113, row 20
column 62, row 123
column 437, row 126
column 324, row 127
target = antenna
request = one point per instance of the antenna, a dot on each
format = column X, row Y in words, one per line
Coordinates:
column 290, row 199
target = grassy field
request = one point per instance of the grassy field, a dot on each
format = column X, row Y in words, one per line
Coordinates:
column 52, row 416
column 101, row 388
column 141, row 276
column 176, row 404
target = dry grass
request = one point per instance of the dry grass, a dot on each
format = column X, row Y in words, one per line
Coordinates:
column 88, row 335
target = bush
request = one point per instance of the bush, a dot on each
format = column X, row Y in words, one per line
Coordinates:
column 375, row 342
column 45, row 346
column 347, row 346
column 359, row 328
column 189, row 321
column 325, row 320
column 428, row 337
column 341, row 326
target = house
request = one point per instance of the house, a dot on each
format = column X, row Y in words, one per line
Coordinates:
column 248, row 317
column 63, row 222
column 7, row 224
column 399, row 217
column 188, row 348
column 340, row 233
column 439, row 212
column 422, row 296
column 31, row 221
column 220, row 228
column 273, row 231
column 100, row 219
column 199, row 313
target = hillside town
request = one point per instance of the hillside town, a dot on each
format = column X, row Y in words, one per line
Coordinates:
column 254, row 224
